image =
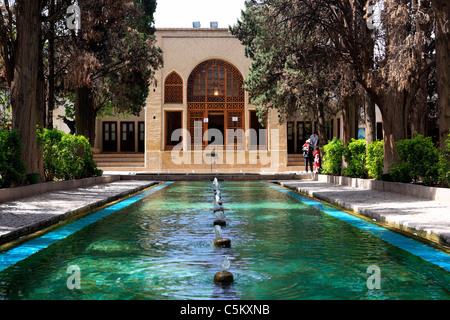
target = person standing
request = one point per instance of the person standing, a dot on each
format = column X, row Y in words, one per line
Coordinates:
column 317, row 160
column 308, row 155
column 314, row 139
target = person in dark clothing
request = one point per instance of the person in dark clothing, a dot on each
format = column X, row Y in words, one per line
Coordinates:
column 308, row 155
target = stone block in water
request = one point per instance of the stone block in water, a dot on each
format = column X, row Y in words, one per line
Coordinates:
column 223, row 277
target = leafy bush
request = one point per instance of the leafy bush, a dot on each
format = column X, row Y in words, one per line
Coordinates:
column 444, row 164
column 12, row 169
column 67, row 156
column 332, row 159
column 375, row 159
column 355, row 156
column 419, row 161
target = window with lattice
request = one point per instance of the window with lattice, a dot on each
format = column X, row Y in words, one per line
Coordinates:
column 173, row 88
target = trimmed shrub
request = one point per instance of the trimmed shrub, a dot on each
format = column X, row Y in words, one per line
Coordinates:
column 67, row 156
column 375, row 159
column 12, row 169
column 444, row 164
column 419, row 161
column 332, row 158
column 355, row 156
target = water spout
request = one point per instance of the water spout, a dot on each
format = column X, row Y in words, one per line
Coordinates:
column 217, row 199
column 219, row 241
column 225, row 264
column 216, row 184
column 217, row 207
column 218, row 232
column 220, row 215
column 224, row 276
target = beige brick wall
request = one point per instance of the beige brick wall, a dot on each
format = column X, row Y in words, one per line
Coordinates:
column 183, row 50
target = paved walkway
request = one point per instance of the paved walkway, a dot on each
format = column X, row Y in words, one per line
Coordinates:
column 28, row 215
column 426, row 218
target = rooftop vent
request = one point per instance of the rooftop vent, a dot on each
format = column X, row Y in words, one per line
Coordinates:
column 196, row 24
column 214, row 24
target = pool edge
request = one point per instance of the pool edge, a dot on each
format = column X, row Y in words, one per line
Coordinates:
column 439, row 240
column 47, row 223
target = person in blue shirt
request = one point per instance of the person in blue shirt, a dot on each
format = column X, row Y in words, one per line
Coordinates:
column 314, row 139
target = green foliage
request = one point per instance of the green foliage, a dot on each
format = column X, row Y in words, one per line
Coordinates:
column 5, row 109
column 355, row 156
column 67, row 156
column 12, row 169
column 444, row 164
column 418, row 161
column 332, row 159
column 375, row 159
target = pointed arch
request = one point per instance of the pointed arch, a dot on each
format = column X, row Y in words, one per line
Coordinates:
column 173, row 88
column 215, row 89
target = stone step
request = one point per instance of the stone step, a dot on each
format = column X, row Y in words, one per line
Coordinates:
column 119, row 160
column 119, row 155
column 110, row 165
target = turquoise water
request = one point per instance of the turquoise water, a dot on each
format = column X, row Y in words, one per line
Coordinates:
column 161, row 247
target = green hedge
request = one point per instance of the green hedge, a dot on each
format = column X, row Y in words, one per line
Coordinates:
column 419, row 161
column 12, row 169
column 67, row 156
column 355, row 156
column 375, row 159
column 362, row 161
column 332, row 158
column 444, row 164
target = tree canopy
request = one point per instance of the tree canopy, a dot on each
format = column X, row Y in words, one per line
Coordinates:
column 307, row 53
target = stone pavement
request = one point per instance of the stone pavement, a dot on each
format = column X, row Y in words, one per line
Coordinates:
column 424, row 218
column 25, row 216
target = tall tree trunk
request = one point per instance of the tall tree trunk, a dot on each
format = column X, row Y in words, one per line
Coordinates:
column 350, row 119
column 85, row 113
column 321, row 130
column 40, row 110
column 370, row 119
column 419, row 111
column 393, row 111
column 443, row 67
column 51, row 70
column 24, row 85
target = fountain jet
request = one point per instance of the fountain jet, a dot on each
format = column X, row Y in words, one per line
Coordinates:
column 220, row 218
column 219, row 241
column 224, row 276
column 217, row 207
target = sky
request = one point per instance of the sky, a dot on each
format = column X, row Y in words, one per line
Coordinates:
column 181, row 13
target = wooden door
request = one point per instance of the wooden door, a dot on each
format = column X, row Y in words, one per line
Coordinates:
column 290, row 137
column 141, row 136
column 236, row 137
column 110, row 136
column 127, row 137
column 197, row 127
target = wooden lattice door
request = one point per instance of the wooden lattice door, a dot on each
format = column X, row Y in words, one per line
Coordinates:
column 197, row 127
column 216, row 86
column 235, row 129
